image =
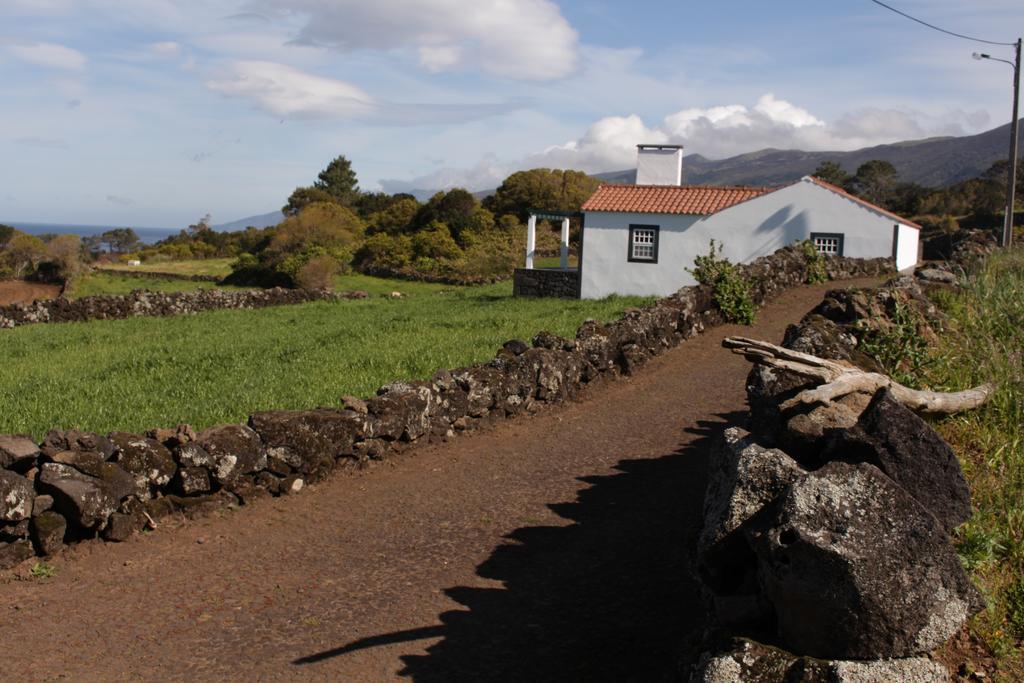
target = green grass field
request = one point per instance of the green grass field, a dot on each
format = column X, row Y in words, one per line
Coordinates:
column 97, row 283
column 214, row 266
column 219, row 366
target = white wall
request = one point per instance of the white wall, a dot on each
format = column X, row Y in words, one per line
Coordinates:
column 907, row 247
column 606, row 269
column 746, row 231
column 655, row 166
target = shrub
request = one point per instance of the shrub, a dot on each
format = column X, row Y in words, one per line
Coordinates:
column 731, row 289
column 815, row 263
column 435, row 242
column 318, row 273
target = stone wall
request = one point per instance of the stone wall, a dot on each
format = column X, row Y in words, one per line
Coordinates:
column 146, row 303
column 77, row 485
column 826, row 552
column 562, row 284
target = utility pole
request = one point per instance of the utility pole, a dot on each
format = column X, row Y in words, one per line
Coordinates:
column 1008, row 223
column 1012, row 185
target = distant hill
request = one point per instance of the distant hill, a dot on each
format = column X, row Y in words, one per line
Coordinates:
column 932, row 162
column 262, row 221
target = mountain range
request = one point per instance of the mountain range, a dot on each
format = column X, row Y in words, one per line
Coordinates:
column 932, row 162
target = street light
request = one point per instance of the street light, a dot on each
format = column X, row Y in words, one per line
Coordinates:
column 1008, row 219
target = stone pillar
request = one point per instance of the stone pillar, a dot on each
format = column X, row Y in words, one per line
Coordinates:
column 565, row 243
column 531, row 239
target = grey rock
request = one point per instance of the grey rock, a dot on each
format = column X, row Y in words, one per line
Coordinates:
column 48, row 531
column 41, row 504
column 14, row 553
column 747, row 661
column 890, row 436
column 121, row 526
column 232, row 450
column 16, row 497
column 76, row 440
column 144, row 456
column 84, row 500
column 401, row 410
column 936, row 275
column 308, row 440
column 743, row 478
column 858, row 569
column 910, row 670
column 193, row 480
column 12, row 531
column 17, row 451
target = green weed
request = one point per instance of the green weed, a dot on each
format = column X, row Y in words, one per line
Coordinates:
column 42, row 570
column 731, row 289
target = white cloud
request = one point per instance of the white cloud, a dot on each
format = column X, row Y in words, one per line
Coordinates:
column 522, row 39
column 286, row 91
column 438, row 58
column 717, row 132
column 50, row 55
column 167, row 48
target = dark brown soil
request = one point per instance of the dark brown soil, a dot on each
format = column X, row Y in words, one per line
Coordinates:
column 21, row 292
column 552, row 548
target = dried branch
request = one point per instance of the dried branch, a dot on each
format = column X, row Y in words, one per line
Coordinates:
column 839, row 379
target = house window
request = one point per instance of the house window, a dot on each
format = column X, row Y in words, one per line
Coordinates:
column 643, row 243
column 828, row 243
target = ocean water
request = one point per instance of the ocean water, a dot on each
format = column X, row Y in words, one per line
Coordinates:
column 147, row 235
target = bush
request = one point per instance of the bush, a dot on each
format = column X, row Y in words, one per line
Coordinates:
column 318, row 273
column 731, row 289
column 815, row 263
column 435, row 242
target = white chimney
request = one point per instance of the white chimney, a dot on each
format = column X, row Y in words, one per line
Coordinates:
column 659, row 164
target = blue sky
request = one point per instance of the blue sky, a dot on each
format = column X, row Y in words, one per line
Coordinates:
column 155, row 112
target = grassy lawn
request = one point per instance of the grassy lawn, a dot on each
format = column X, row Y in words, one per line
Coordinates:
column 378, row 286
column 111, row 283
column 983, row 342
column 986, row 344
column 219, row 366
column 214, row 266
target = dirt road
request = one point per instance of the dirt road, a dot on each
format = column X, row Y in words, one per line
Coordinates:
column 554, row 548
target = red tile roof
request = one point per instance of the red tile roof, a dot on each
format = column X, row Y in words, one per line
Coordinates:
column 863, row 202
column 700, row 200
column 692, row 199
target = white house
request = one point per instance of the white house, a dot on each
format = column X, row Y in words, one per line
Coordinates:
column 640, row 239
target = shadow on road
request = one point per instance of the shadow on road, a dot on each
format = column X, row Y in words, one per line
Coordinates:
column 610, row 597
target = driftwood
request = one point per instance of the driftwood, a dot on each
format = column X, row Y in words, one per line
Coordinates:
column 839, row 379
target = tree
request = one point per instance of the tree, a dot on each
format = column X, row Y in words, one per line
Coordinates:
column 541, row 188
column 322, row 224
column 875, row 181
column 6, row 233
column 303, row 197
column 64, row 252
column 200, row 227
column 396, row 218
column 831, row 172
column 23, row 253
column 339, row 181
column 121, row 240
column 454, row 208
